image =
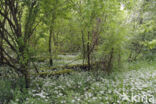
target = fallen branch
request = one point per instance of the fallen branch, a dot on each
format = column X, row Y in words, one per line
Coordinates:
column 77, row 66
column 52, row 73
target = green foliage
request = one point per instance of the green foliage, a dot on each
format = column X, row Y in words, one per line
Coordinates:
column 151, row 44
column 108, row 32
column 5, row 91
column 95, row 87
column 141, row 29
column 10, row 89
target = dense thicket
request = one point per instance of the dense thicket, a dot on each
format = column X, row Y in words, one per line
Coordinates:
column 105, row 33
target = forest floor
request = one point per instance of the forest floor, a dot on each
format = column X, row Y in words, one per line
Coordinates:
column 61, row 60
column 134, row 85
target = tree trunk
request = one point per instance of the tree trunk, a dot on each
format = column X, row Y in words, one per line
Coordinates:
column 109, row 67
column 50, row 48
column 27, row 78
column 54, row 38
column 119, row 60
column 83, row 45
column 88, row 53
column 1, row 51
column 130, row 57
column 25, row 73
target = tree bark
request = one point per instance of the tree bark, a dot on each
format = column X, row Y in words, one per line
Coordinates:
column 50, row 48
column 1, row 51
column 88, row 52
column 27, row 78
column 83, row 45
column 119, row 59
column 109, row 67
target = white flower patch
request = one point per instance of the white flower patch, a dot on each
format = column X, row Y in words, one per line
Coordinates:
column 86, row 88
column 41, row 94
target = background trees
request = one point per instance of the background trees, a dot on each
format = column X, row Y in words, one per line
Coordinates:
column 105, row 33
column 51, row 10
column 90, row 42
column 140, row 17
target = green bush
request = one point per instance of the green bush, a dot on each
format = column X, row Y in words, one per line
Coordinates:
column 10, row 89
column 6, row 92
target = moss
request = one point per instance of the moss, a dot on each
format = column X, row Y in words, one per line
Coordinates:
column 45, row 68
column 65, row 71
column 76, row 66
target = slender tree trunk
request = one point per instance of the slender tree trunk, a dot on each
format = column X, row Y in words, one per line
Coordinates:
column 83, row 46
column 130, row 57
column 109, row 68
column 1, row 42
column 27, row 78
column 51, row 31
column 54, row 38
column 88, row 53
column 119, row 59
column 50, row 48
column 57, row 39
column 88, row 58
column 1, row 52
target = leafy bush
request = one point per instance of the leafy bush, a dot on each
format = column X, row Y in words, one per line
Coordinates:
column 6, row 93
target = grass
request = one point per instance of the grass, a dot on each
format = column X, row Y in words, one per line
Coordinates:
column 130, row 86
